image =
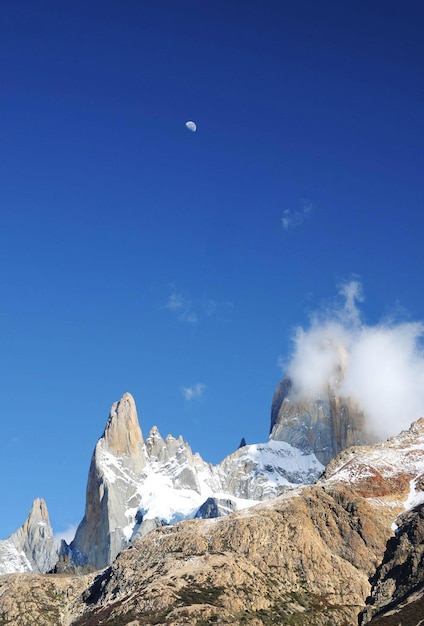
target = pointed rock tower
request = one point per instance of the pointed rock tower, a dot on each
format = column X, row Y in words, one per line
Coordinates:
column 116, row 464
column 34, row 540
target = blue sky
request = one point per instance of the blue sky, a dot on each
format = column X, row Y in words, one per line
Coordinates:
column 139, row 256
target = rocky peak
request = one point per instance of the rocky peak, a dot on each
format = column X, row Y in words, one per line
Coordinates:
column 117, row 462
column 323, row 425
column 35, row 538
column 155, row 445
column 122, row 434
column 38, row 514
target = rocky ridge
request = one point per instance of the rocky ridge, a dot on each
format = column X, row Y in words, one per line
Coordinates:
column 305, row 557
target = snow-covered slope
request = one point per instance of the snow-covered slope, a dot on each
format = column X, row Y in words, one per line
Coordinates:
column 261, row 471
column 391, row 472
column 173, row 486
column 11, row 559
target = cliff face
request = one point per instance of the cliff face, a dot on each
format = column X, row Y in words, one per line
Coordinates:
column 117, row 461
column 398, row 585
column 323, row 426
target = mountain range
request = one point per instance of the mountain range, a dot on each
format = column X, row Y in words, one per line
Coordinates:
column 311, row 527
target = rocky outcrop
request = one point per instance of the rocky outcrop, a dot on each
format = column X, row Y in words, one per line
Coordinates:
column 32, row 546
column 215, row 507
column 31, row 599
column 398, row 585
column 390, row 471
column 301, row 558
column 116, row 464
column 323, row 426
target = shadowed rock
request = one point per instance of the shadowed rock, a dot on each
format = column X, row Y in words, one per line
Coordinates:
column 324, row 425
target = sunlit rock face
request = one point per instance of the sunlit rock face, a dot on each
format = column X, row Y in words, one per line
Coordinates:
column 323, row 425
column 122, row 436
column 117, row 461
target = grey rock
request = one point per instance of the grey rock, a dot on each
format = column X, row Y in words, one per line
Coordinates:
column 32, row 547
column 145, row 527
column 116, row 464
column 324, row 425
column 215, row 507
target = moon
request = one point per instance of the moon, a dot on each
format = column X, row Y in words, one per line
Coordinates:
column 191, row 126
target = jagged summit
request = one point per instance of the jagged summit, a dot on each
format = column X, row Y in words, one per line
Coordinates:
column 38, row 513
column 122, row 434
column 319, row 554
column 135, row 484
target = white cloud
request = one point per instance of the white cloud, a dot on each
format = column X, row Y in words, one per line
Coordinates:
column 68, row 534
column 194, row 391
column 293, row 219
column 383, row 365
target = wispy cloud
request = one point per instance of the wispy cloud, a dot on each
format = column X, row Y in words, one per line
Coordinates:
column 194, row 391
column 181, row 304
column 294, row 219
column 192, row 310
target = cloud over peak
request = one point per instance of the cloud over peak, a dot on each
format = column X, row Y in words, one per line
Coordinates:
column 381, row 367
